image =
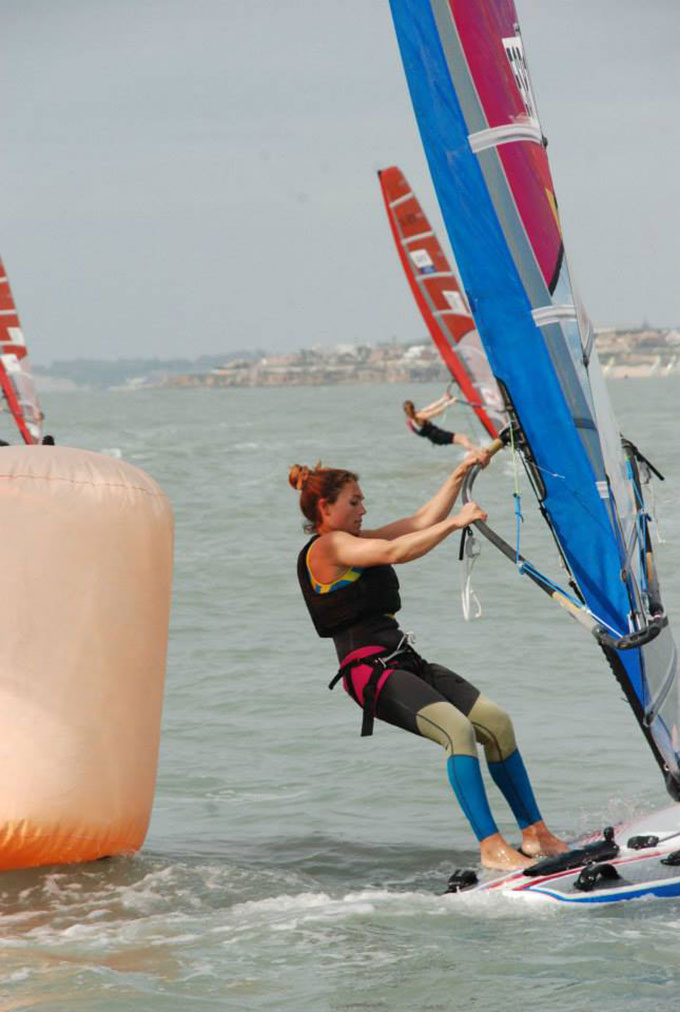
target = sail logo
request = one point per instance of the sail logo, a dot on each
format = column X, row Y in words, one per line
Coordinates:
column 514, row 50
column 456, row 302
column 422, row 260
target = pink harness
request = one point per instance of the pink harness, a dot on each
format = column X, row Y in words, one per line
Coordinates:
column 364, row 682
column 359, row 674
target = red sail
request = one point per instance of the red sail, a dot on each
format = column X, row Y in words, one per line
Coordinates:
column 440, row 300
column 16, row 380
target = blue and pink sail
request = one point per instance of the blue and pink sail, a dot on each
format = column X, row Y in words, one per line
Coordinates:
column 471, row 91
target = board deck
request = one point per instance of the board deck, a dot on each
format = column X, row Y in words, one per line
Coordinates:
column 637, row 873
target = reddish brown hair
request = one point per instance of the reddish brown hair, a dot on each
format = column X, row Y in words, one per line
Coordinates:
column 317, row 483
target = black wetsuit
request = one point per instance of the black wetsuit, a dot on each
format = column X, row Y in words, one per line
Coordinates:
column 440, row 437
column 381, row 670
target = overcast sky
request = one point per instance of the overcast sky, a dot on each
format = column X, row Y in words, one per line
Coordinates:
column 184, row 177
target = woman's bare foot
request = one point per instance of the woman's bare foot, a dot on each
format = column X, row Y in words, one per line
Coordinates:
column 496, row 853
column 538, row 841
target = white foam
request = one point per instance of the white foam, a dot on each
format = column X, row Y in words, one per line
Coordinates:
column 288, row 912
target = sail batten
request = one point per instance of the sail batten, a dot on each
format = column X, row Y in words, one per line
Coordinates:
column 495, row 136
column 477, row 114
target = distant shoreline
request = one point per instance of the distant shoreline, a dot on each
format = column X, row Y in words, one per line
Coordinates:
column 629, row 354
column 624, row 355
column 621, row 372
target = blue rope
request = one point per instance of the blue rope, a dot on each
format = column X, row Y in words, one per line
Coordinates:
column 519, row 520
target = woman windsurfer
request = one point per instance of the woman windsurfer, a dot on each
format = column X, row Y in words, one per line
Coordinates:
column 420, row 423
column 351, row 590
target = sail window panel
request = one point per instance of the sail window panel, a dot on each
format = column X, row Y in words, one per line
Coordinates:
column 610, row 441
column 661, row 698
column 472, row 353
column 649, row 676
column 625, row 506
column 573, row 390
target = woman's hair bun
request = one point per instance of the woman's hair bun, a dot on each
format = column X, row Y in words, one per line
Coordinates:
column 297, row 476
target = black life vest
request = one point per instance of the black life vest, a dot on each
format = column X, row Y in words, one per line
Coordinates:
column 376, row 592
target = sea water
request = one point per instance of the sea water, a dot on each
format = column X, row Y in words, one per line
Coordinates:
column 290, row 864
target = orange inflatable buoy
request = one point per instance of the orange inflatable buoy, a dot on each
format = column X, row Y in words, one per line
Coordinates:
column 85, row 584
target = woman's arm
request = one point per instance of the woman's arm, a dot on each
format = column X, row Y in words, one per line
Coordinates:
column 436, row 408
column 438, row 507
column 340, row 549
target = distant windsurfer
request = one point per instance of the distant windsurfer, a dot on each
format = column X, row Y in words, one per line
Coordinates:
column 352, row 593
column 419, row 422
